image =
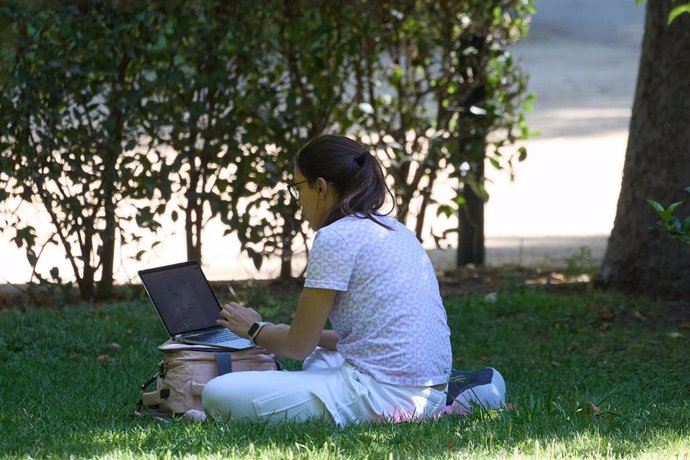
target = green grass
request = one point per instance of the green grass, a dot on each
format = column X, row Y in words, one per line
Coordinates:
column 594, row 375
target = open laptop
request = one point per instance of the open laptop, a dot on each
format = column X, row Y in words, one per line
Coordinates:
column 188, row 307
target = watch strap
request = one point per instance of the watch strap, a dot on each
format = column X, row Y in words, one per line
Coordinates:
column 255, row 329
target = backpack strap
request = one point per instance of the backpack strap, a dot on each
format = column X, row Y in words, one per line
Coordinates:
column 149, row 398
column 223, row 362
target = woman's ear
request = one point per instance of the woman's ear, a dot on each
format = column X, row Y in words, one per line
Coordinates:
column 321, row 186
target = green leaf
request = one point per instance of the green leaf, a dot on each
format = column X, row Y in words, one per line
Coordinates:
column 256, row 258
column 446, row 210
column 657, row 207
column 396, row 75
column 666, row 215
column 222, row 185
column 31, row 257
column 677, row 11
column 686, row 226
column 523, row 154
column 674, row 225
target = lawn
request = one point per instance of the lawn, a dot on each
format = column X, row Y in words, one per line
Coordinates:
column 589, row 374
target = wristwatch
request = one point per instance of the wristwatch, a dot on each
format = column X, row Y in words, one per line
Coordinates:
column 255, row 329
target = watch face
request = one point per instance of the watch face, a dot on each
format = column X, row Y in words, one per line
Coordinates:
column 253, row 329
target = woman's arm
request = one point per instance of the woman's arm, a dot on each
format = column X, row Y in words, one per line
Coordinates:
column 328, row 340
column 295, row 341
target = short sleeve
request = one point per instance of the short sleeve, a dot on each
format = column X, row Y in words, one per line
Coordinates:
column 331, row 262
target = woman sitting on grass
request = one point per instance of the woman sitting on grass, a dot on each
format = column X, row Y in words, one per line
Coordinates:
column 388, row 356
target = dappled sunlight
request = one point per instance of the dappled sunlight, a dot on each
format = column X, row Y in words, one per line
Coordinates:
column 539, row 340
column 566, row 188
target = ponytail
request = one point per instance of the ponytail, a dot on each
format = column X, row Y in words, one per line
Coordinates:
column 356, row 175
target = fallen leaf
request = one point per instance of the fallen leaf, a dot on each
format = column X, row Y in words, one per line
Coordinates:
column 105, row 358
column 639, row 316
column 593, row 409
column 675, row 335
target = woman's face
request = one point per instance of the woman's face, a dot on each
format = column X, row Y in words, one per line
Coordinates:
column 315, row 199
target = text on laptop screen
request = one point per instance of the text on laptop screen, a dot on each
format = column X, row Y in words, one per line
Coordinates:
column 184, row 300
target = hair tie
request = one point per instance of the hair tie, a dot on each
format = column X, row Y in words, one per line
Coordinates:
column 360, row 159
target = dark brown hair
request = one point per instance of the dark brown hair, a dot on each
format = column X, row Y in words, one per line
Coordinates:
column 356, row 175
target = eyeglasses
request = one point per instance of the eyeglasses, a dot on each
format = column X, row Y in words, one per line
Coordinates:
column 294, row 190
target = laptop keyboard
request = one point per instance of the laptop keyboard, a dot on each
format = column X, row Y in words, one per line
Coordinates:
column 221, row 335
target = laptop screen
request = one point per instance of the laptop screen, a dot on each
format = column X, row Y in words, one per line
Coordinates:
column 182, row 296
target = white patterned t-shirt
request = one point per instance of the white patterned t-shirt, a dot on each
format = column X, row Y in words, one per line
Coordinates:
column 388, row 316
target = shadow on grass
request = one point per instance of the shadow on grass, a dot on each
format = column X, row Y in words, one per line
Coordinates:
column 592, row 374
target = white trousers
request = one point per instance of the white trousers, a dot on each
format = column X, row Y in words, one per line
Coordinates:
column 327, row 388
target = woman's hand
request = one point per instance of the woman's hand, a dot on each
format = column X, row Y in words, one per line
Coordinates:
column 238, row 318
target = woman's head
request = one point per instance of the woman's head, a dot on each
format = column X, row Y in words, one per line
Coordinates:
column 340, row 178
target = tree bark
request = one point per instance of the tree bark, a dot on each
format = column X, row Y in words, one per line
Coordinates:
column 110, row 179
column 194, row 209
column 286, row 254
column 640, row 258
column 471, row 248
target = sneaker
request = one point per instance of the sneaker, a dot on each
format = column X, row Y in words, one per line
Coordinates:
column 483, row 387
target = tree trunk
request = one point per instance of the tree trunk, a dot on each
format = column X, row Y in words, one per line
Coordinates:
column 640, row 258
column 110, row 180
column 107, row 255
column 426, row 199
column 104, row 290
column 471, row 223
column 286, row 255
column 194, row 211
column 193, row 220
